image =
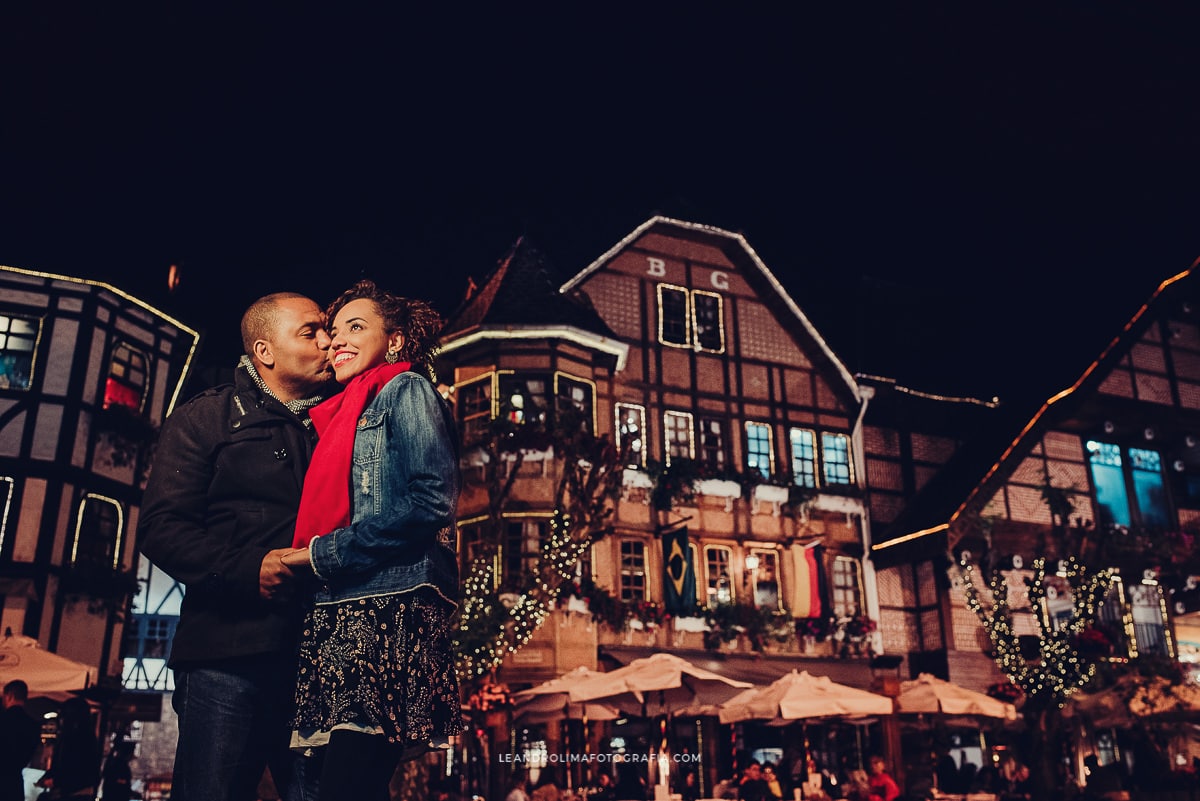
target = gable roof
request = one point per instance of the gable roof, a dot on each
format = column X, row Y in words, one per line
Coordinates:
column 990, row 474
column 520, row 299
column 735, row 246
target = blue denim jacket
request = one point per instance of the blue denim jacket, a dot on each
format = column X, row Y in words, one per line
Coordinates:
column 404, row 490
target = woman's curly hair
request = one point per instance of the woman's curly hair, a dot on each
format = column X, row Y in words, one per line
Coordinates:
column 415, row 319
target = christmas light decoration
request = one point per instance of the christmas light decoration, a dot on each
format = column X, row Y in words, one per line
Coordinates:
column 1059, row 670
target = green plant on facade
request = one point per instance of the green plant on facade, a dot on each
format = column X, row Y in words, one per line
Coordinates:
column 131, row 436
column 103, row 588
column 729, row 621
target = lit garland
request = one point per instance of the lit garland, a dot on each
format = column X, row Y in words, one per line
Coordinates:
column 488, row 631
column 1060, row 671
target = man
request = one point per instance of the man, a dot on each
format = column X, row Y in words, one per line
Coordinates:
column 753, row 786
column 20, row 736
column 218, row 513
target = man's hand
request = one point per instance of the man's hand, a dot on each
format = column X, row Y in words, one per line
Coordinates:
column 275, row 578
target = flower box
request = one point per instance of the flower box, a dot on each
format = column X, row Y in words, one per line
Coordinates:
column 636, row 479
column 693, row 624
column 770, row 493
column 720, row 488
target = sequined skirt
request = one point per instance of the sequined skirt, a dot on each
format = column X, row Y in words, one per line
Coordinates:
column 383, row 665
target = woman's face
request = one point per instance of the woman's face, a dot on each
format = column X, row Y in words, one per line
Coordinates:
column 360, row 339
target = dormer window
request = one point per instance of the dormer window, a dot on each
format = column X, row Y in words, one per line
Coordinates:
column 126, row 384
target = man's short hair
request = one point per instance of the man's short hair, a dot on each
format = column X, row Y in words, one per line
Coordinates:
column 17, row 689
column 260, row 319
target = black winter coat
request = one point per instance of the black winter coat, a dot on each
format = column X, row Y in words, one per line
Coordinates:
column 224, row 490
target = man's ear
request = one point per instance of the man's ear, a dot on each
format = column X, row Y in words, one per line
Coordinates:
column 263, row 353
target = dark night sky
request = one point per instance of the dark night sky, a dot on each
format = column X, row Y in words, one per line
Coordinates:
column 970, row 201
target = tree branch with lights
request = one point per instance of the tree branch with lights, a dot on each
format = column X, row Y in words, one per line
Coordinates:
column 498, row 619
column 1058, row 670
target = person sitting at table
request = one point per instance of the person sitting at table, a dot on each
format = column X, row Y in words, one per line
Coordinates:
column 602, row 789
column 546, row 788
column 753, row 787
column 687, row 785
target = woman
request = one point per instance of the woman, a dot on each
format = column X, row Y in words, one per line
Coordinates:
column 376, row 681
column 75, row 761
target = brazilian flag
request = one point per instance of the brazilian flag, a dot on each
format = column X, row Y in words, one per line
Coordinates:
column 679, row 575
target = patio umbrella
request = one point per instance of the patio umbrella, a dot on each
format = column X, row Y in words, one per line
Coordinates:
column 551, row 698
column 550, row 701
column 660, row 684
column 46, row 673
column 803, row 696
column 657, row 685
column 930, row 695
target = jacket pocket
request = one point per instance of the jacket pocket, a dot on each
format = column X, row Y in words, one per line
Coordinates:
column 366, row 472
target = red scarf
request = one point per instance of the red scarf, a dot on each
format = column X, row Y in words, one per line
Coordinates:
column 325, row 501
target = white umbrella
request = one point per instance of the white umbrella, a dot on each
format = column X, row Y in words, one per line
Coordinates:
column 803, row 696
column 46, row 673
column 550, row 701
column 552, row 698
column 930, row 695
column 661, row 684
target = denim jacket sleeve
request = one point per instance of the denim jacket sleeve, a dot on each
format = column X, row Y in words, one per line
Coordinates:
column 419, row 494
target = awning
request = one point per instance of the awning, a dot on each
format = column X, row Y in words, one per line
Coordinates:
column 757, row 669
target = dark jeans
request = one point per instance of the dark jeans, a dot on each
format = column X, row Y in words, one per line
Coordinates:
column 234, row 721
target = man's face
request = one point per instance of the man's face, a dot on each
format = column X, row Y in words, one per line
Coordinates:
column 299, row 345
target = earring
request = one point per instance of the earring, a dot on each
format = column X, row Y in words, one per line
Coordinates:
column 392, row 356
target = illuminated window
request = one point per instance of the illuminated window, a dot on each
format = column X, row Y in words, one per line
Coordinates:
column 706, row 321
column 18, row 336
column 673, row 321
column 98, row 532
column 690, row 318
column 474, row 402
column 631, row 433
column 1129, row 485
column 718, row 584
column 578, row 397
column 1137, row 609
column 835, row 458
column 633, row 570
column 764, row 578
column 758, row 449
column 126, row 384
column 524, row 398
column 804, row 457
column 7, row 487
column 846, row 587
column 1148, row 611
column 712, row 442
column 677, row 432
column 523, row 550
column 694, row 553
column 1111, row 617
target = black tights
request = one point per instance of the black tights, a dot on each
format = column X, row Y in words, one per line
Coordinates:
column 357, row 767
